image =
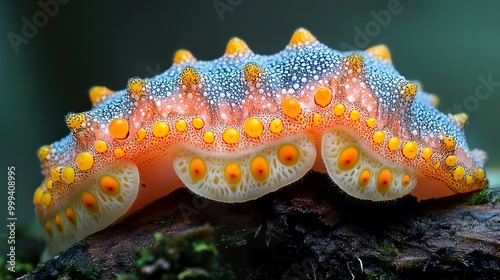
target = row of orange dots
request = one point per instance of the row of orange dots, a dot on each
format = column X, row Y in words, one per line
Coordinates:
column 287, row 154
column 108, row 185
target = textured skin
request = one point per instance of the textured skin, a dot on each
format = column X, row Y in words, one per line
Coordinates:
column 243, row 125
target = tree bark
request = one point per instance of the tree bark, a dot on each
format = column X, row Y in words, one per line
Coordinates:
column 309, row 230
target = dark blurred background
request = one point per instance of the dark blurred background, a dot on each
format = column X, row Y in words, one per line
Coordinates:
column 446, row 45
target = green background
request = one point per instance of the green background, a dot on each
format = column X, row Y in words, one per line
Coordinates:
column 446, row 45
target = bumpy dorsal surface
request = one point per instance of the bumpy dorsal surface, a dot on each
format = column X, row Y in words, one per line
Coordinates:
column 243, row 125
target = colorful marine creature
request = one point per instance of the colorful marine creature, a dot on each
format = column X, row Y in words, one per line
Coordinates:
column 244, row 125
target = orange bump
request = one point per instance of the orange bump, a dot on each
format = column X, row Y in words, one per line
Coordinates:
column 276, row 126
column 100, row 146
column 232, row 173
column 291, row 107
column 480, row 174
column 252, row 73
column 458, row 173
column 135, row 87
column 302, row 37
column 348, row 158
column 84, row 161
column 55, row 173
column 371, row 122
column 141, row 134
column 410, row 149
column 208, row 137
column 90, row 202
column 198, row 123
column 449, row 142
column 253, row 127
column 469, row 179
column 231, row 136
column 355, row 62
column 434, row 99
column 197, row 169
column 70, row 214
column 460, row 119
column 48, row 228
column 364, row 177
column 98, row 94
column 378, row 137
column 384, row 180
column 76, row 121
column 118, row 152
column 190, row 77
column 181, row 125
column 323, row 96
column 354, row 115
column 49, row 184
column 317, row 119
column 43, row 152
column 37, row 197
column 259, row 167
column 58, row 222
column 338, row 109
column 109, row 185
column 406, row 180
column 409, row 90
column 393, row 143
column 450, row 160
column 118, row 128
column 484, row 183
column 381, row 52
column 183, row 56
column 68, row 175
column 160, row 129
column 236, row 46
column 426, row 153
column 288, row 154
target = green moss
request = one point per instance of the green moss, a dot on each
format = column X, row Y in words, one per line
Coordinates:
column 235, row 238
column 387, row 251
column 20, row 269
column 164, row 221
column 194, row 273
column 390, row 249
column 376, row 275
column 79, row 266
column 481, row 197
column 190, row 256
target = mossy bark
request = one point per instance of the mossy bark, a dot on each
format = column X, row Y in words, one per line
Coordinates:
column 309, row 230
